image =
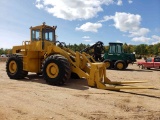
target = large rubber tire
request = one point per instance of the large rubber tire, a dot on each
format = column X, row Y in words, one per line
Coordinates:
column 56, row 70
column 14, row 67
column 119, row 65
column 108, row 64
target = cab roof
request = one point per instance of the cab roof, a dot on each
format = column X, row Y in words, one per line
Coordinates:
column 43, row 26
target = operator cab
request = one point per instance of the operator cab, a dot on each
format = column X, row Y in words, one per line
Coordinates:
column 115, row 48
column 43, row 32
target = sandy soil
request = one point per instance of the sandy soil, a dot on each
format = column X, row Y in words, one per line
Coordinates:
column 33, row 99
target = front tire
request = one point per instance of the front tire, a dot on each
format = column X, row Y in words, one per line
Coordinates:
column 56, row 70
column 108, row 64
column 120, row 65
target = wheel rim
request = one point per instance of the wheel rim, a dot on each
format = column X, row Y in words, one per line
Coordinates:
column 52, row 70
column 120, row 65
column 107, row 64
column 12, row 66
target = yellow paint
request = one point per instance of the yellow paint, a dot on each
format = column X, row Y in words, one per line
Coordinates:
column 13, row 67
column 120, row 65
column 52, row 70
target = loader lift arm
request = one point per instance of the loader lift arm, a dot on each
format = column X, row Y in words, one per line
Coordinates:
column 94, row 72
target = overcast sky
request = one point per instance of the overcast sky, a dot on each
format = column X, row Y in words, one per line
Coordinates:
column 82, row 21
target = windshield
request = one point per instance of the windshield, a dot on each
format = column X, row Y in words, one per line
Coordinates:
column 48, row 34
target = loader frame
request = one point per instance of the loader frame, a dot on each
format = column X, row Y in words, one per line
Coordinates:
column 33, row 54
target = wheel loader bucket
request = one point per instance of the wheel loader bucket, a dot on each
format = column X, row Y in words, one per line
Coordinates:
column 97, row 78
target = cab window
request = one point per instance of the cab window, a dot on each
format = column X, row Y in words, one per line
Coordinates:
column 115, row 48
column 149, row 60
column 156, row 59
column 119, row 49
column 48, row 34
column 112, row 49
column 35, row 35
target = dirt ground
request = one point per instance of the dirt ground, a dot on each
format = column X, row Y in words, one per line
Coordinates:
column 33, row 99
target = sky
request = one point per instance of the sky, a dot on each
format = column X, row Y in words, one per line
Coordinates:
column 82, row 21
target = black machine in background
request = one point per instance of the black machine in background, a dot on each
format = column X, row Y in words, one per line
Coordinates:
column 98, row 48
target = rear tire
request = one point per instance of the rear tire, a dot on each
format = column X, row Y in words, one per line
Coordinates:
column 14, row 67
column 120, row 65
column 56, row 70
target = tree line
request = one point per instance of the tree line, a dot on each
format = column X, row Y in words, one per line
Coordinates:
column 141, row 50
column 4, row 51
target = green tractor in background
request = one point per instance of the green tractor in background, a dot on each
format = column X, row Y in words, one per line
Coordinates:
column 114, row 57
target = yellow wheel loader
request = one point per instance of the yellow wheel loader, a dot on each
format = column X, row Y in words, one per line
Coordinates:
column 44, row 55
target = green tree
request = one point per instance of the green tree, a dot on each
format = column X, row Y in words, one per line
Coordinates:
column 141, row 49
